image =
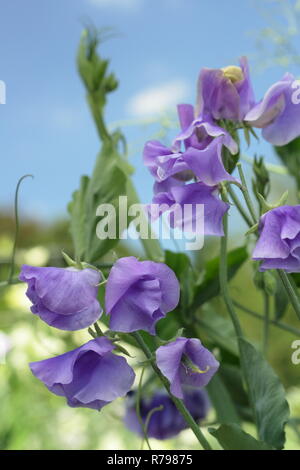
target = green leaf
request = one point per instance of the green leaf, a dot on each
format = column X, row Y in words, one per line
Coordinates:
column 232, row 437
column 221, row 400
column 106, row 184
column 231, row 376
column 219, row 330
column 210, row 287
column 281, row 301
column 182, row 267
column 290, row 155
column 230, row 160
column 266, row 394
column 76, row 209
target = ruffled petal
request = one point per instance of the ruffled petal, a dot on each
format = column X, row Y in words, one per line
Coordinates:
column 190, row 197
column 207, row 164
column 76, row 321
column 168, row 359
column 277, row 114
column 62, row 290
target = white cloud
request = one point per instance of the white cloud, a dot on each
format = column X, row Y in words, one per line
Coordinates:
column 156, row 99
column 117, row 3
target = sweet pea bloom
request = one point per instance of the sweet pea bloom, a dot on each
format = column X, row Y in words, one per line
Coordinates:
column 90, row 376
column 198, row 131
column 207, row 164
column 162, row 162
column 278, row 113
column 185, row 362
column 167, row 422
column 202, row 157
column 139, row 293
column 183, row 203
column 65, row 298
column 225, row 93
column 278, row 246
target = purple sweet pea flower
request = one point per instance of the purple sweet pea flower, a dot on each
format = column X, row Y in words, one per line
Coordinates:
column 90, row 376
column 65, row 298
column 198, row 132
column 277, row 114
column 175, row 197
column 139, row 293
column 167, row 422
column 225, row 93
column 162, row 162
column 202, row 156
column 186, row 362
column 207, row 163
column 278, row 246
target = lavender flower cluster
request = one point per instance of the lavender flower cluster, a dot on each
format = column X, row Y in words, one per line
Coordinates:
column 191, row 170
column 138, row 294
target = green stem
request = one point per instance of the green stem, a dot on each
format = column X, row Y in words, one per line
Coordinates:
column 246, row 194
column 98, row 118
column 239, row 206
column 281, row 325
column 178, row 403
column 138, row 410
column 266, row 322
column 229, row 303
column 98, row 329
column 150, row 414
column 151, row 245
column 293, row 296
column 224, row 276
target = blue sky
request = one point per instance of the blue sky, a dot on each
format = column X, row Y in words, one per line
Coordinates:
column 45, row 126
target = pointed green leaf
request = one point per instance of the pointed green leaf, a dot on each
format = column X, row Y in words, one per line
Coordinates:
column 218, row 329
column 232, row 437
column 210, row 287
column 76, row 209
column 266, row 394
column 221, row 400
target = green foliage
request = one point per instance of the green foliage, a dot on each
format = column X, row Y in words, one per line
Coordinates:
column 111, row 175
column 182, row 266
column 290, row 156
column 232, row 437
column 210, row 286
column 266, row 394
column 93, row 191
column 232, row 378
column 109, row 178
column 92, row 68
column 229, row 160
column 222, row 401
column 281, row 301
column 218, row 329
column 261, row 182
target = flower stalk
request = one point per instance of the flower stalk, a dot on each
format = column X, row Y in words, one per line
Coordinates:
column 178, row 403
